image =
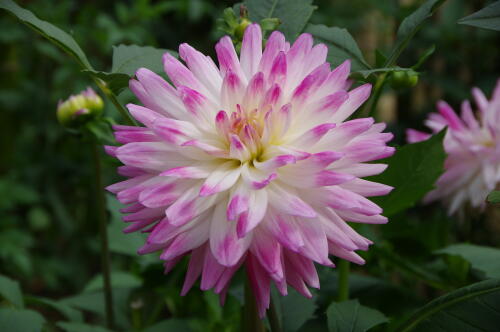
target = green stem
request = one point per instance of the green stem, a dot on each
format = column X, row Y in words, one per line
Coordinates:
column 377, row 92
column 273, row 317
column 111, row 96
column 103, row 232
column 343, row 270
column 251, row 320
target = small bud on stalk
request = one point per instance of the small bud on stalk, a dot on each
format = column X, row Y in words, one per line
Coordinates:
column 79, row 109
column 404, row 79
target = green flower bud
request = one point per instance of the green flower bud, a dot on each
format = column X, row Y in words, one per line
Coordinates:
column 404, row 79
column 80, row 109
column 240, row 29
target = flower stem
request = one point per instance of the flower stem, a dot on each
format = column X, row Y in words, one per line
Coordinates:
column 251, row 320
column 343, row 287
column 103, row 232
column 111, row 96
column 377, row 92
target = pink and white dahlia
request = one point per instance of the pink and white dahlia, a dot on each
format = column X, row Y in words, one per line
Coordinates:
column 250, row 163
column 472, row 167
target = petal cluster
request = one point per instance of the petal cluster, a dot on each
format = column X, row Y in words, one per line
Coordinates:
column 472, row 144
column 252, row 162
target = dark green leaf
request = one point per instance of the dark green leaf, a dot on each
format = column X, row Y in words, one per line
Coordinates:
column 472, row 308
column 14, row 320
column 170, row 325
column 350, row 316
column 49, row 31
column 295, row 310
column 10, row 291
column 102, row 131
column 494, row 197
column 68, row 312
column 485, row 259
column 118, row 280
column 486, row 18
column 119, row 242
column 81, row 327
column 412, row 172
column 341, row 45
column 293, row 14
column 410, row 26
column 126, row 60
column 94, row 302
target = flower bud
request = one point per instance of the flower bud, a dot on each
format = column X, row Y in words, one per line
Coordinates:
column 79, row 109
column 404, row 79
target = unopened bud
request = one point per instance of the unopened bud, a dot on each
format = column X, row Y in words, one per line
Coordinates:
column 79, row 109
column 404, row 79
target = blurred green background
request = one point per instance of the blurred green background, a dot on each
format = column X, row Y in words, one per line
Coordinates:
column 48, row 230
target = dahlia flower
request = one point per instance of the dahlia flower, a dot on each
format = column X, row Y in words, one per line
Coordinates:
column 472, row 166
column 250, row 163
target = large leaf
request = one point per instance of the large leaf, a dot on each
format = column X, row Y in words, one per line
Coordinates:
column 10, row 291
column 350, row 316
column 412, row 171
column 472, row 308
column 341, row 45
column 294, row 310
column 126, row 60
column 13, row 320
column 293, row 14
column 410, row 26
column 49, row 31
column 486, row 18
column 485, row 259
column 118, row 280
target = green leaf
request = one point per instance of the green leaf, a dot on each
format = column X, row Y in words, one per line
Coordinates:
column 472, row 308
column 486, row 18
column 48, row 30
column 81, row 327
column 118, row 280
column 341, row 45
column 94, row 302
column 119, row 242
column 427, row 53
column 494, row 197
column 485, row 259
column 412, row 171
column 68, row 312
column 170, row 325
column 350, row 316
column 295, row 310
column 126, row 60
column 21, row 320
column 293, row 14
column 10, row 290
column 410, row 26
column 101, row 129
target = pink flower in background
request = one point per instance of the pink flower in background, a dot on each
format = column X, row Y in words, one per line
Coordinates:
column 251, row 163
column 472, row 167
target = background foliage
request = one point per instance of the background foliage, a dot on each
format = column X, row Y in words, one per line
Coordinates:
column 49, row 248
